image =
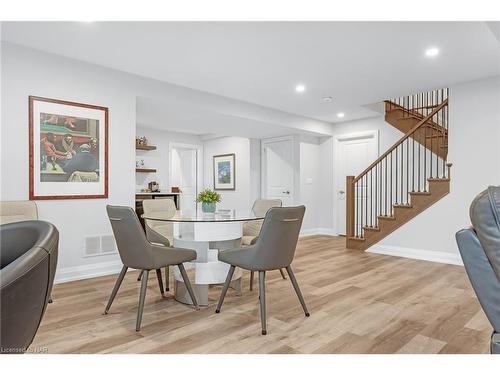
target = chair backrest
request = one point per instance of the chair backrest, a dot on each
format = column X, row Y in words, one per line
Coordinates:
column 275, row 247
column 485, row 217
column 14, row 211
column 133, row 246
column 164, row 206
column 480, row 250
column 159, row 231
column 28, row 266
column 259, row 208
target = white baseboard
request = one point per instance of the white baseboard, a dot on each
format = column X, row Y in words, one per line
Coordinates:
column 317, row 231
column 88, row 271
column 407, row 252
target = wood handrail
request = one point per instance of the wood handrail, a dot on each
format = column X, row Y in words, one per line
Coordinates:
column 406, row 136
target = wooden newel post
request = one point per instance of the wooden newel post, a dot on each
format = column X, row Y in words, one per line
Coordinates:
column 350, row 199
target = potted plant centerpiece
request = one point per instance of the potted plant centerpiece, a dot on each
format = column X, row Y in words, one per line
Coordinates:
column 208, row 199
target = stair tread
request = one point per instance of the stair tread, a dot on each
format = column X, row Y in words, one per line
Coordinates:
column 434, row 179
column 386, row 217
column 375, row 229
column 402, row 205
column 420, row 193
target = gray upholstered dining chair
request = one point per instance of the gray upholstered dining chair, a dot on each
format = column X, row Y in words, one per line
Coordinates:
column 251, row 229
column 274, row 249
column 160, row 231
column 28, row 261
column 137, row 252
column 480, row 250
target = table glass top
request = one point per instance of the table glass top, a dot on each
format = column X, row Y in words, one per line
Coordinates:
column 199, row 216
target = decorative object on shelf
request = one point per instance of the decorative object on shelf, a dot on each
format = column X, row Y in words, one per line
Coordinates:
column 176, row 189
column 154, row 186
column 208, row 199
column 224, row 172
column 68, row 150
column 141, row 141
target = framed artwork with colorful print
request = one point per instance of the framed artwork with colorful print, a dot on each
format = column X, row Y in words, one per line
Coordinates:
column 68, row 150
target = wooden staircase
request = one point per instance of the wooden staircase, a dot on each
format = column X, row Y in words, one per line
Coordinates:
column 408, row 178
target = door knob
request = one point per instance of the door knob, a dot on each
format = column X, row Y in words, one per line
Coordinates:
column 341, row 191
column 286, row 192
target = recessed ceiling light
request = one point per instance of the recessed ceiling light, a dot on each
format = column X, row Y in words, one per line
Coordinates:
column 300, row 88
column 328, row 99
column 432, row 52
column 340, row 114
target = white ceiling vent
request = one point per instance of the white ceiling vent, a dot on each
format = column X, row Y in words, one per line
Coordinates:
column 99, row 245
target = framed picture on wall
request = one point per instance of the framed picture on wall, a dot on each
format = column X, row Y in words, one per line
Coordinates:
column 68, row 150
column 224, row 172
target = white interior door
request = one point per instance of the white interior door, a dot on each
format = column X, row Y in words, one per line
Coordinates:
column 184, row 175
column 278, row 170
column 354, row 154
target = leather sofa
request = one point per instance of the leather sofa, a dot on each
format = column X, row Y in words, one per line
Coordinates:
column 28, row 263
column 480, row 250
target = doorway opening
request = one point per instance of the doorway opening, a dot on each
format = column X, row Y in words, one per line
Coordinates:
column 186, row 173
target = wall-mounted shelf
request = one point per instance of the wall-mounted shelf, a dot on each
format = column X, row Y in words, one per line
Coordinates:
column 145, row 148
column 145, row 170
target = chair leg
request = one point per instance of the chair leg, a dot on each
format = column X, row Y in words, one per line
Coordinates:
column 251, row 279
column 167, row 278
column 262, row 300
column 115, row 288
column 142, row 297
column 139, row 276
column 225, row 288
column 297, row 289
column 160, row 281
column 282, row 274
column 188, row 285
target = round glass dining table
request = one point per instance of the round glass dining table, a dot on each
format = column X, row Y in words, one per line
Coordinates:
column 207, row 234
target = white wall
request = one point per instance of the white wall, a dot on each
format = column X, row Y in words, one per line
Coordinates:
column 474, row 110
column 159, row 158
column 309, row 180
column 26, row 72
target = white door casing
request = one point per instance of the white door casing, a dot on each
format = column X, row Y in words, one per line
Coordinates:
column 353, row 153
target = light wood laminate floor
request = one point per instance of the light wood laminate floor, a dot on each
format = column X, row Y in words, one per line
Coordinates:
column 359, row 303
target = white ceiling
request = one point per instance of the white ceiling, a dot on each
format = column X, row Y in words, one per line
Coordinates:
column 191, row 117
column 356, row 63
